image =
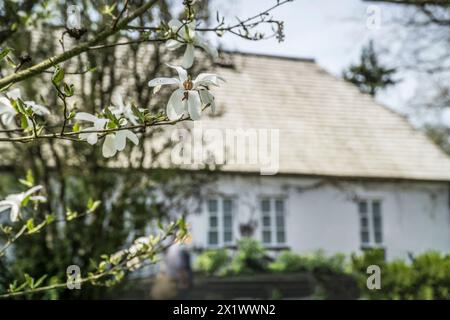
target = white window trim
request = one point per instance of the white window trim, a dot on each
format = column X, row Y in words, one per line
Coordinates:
column 273, row 224
column 220, row 228
column 370, row 227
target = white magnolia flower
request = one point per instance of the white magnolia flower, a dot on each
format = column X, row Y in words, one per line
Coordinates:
column 119, row 109
column 8, row 112
column 14, row 202
column 117, row 142
column 190, row 95
column 113, row 142
column 98, row 124
column 190, row 38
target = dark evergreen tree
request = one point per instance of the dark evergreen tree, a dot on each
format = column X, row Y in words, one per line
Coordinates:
column 369, row 75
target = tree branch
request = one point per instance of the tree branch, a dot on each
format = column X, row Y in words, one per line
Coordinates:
column 44, row 65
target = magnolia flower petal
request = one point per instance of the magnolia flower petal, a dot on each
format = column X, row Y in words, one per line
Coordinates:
column 37, row 108
column 91, row 138
column 156, row 89
column 120, row 140
column 6, row 204
column 15, row 213
column 176, row 105
column 132, row 136
column 117, row 100
column 162, row 81
column 207, row 98
column 191, row 29
column 207, row 46
column 38, row 198
column 188, row 57
column 194, row 105
column 31, row 191
column 5, row 104
column 84, row 116
column 206, row 79
column 182, row 74
column 173, row 44
column 99, row 124
column 13, row 94
column 109, row 146
column 175, row 24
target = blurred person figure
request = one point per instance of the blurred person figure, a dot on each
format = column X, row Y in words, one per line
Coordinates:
column 176, row 277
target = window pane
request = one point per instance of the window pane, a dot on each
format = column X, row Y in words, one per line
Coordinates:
column 212, row 205
column 377, row 226
column 266, row 221
column 280, row 237
column 376, row 207
column 364, row 236
column 378, row 238
column 279, row 206
column 280, row 222
column 227, row 236
column 265, row 205
column 266, row 237
column 227, row 222
column 227, row 206
column 362, row 207
column 212, row 237
column 364, row 221
column 213, row 221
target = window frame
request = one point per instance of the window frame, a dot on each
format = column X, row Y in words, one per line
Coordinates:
column 220, row 228
column 371, row 229
column 273, row 214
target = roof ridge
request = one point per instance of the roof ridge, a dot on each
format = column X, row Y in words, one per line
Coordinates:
column 266, row 55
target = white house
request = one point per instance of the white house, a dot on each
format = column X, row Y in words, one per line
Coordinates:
column 349, row 173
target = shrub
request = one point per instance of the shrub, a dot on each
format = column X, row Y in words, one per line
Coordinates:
column 212, row 262
column 426, row 277
column 250, row 258
column 288, row 261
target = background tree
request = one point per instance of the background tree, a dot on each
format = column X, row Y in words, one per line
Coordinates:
column 74, row 173
column 424, row 54
column 369, row 75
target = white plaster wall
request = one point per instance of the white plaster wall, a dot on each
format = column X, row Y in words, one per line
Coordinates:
column 321, row 214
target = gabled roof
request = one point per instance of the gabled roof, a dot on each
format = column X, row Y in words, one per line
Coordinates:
column 327, row 127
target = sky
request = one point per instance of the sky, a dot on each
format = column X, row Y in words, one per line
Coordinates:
column 330, row 31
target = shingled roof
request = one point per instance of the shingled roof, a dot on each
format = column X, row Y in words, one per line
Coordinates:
column 327, row 127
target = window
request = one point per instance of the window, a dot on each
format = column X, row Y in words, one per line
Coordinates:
column 370, row 223
column 220, row 221
column 273, row 226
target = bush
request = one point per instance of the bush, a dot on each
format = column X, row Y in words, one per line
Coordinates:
column 288, row 261
column 250, row 258
column 212, row 262
column 426, row 277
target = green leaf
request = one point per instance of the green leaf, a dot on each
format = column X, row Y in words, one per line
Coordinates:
column 40, row 281
column 76, row 127
column 23, row 122
column 110, row 115
column 49, row 218
column 93, row 205
column 10, row 61
column 68, row 90
column 30, row 225
column 4, row 52
column 29, row 179
column 138, row 113
column 58, row 75
column 29, row 280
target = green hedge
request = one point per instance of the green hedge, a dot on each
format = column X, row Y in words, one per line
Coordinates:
column 426, row 276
